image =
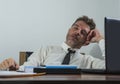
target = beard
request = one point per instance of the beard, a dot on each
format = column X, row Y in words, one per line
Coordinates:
column 75, row 41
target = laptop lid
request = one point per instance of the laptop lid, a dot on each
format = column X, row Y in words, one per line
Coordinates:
column 112, row 45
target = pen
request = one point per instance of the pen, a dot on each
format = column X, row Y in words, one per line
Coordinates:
column 43, row 65
column 19, row 71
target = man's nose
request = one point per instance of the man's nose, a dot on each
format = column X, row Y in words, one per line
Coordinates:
column 81, row 32
column 78, row 32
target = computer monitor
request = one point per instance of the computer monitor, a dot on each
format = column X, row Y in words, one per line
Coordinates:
column 112, row 45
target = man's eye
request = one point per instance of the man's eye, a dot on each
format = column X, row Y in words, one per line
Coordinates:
column 84, row 32
column 75, row 28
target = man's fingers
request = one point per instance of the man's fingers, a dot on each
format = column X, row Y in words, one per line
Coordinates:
column 16, row 65
column 9, row 64
column 13, row 65
column 86, row 43
column 1, row 66
column 90, row 35
column 5, row 65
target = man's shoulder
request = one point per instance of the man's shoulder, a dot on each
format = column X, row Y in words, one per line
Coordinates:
column 54, row 47
column 51, row 48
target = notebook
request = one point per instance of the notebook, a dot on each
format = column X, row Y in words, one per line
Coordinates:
column 112, row 48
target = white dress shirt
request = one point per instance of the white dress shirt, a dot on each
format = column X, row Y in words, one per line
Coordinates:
column 54, row 55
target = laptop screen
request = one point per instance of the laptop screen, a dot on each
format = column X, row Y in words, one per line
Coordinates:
column 112, row 45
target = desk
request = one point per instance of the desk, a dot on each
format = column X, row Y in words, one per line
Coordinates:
column 66, row 79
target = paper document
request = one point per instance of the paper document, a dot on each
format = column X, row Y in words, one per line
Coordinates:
column 8, row 74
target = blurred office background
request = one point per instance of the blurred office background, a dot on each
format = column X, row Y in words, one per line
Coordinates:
column 26, row 25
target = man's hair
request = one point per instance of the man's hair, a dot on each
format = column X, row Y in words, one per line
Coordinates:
column 87, row 20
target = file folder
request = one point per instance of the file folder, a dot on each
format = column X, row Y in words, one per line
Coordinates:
column 57, row 71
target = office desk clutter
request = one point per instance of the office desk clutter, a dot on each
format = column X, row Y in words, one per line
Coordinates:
column 14, row 74
column 54, row 69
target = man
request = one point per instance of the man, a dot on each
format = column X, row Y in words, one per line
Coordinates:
column 81, row 33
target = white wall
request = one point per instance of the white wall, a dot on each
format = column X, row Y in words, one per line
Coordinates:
column 29, row 24
column 119, row 8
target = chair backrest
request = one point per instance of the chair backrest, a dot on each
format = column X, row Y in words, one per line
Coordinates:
column 23, row 56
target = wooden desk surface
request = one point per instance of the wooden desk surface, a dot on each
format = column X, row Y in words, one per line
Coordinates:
column 85, row 78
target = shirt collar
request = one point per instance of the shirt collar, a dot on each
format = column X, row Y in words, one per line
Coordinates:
column 65, row 47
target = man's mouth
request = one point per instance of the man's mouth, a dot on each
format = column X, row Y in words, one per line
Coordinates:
column 74, row 38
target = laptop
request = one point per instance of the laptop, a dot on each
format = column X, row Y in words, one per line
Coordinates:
column 112, row 48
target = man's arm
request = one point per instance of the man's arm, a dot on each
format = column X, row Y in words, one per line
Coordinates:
column 100, row 40
column 96, row 37
column 36, row 58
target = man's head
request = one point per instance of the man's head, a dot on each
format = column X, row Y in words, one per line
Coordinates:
column 77, row 34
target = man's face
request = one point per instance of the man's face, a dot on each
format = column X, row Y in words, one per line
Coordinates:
column 77, row 34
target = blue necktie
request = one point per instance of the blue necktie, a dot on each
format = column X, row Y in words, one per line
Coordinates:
column 67, row 56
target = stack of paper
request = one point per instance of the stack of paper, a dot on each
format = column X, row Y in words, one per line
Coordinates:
column 7, row 74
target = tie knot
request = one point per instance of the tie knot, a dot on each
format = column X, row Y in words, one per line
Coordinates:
column 71, row 51
column 67, row 56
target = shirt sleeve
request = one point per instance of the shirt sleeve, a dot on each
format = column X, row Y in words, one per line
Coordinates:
column 90, row 62
column 36, row 59
column 98, row 63
column 102, row 46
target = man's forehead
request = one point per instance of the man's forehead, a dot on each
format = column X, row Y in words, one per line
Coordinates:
column 81, row 23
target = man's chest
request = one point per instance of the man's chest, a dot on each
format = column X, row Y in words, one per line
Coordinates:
column 56, row 58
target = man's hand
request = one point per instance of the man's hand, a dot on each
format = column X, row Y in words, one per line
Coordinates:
column 9, row 64
column 93, row 36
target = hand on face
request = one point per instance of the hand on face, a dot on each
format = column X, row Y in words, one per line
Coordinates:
column 9, row 64
column 94, row 36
